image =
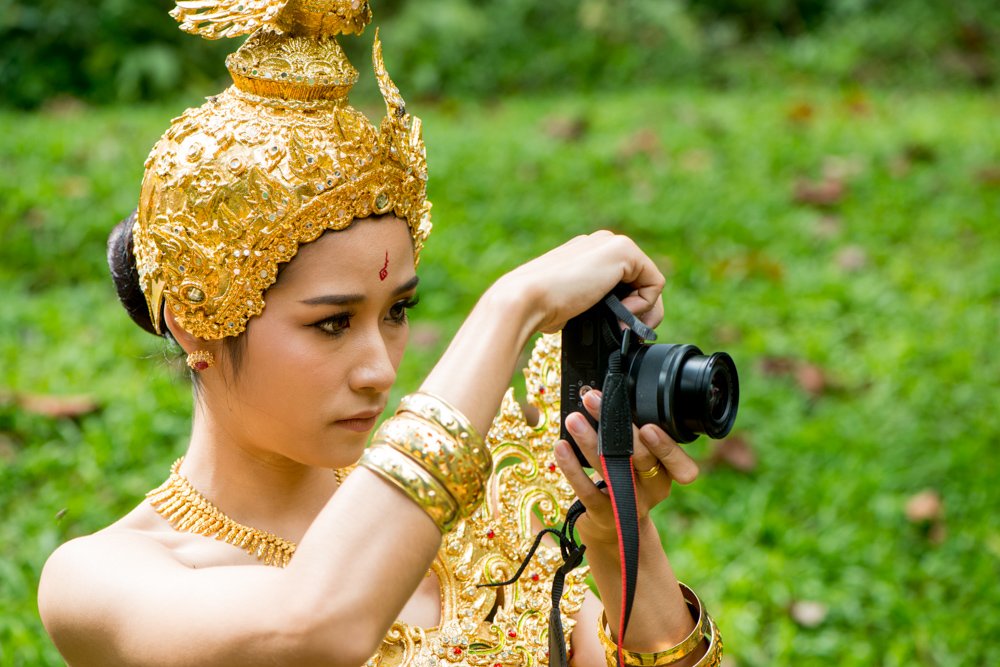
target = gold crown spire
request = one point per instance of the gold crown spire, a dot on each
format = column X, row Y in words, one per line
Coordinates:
column 234, row 187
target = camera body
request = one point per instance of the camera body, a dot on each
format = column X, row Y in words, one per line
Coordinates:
column 677, row 387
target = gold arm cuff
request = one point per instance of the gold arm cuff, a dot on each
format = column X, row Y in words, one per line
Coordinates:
column 461, row 471
column 669, row 656
column 439, row 411
column 406, row 474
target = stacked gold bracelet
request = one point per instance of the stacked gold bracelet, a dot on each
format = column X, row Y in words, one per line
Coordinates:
column 703, row 627
column 431, row 452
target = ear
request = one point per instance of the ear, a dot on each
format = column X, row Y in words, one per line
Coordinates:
column 188, row 342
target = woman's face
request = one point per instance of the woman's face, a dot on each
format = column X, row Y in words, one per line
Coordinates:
column 318, row 363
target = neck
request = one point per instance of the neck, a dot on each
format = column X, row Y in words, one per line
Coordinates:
column 254, row 487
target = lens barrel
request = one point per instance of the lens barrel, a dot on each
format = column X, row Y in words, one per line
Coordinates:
column 684, row 391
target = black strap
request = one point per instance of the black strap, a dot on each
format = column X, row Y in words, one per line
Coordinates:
column 630, row 320
column 615, row 445
column 572, row 554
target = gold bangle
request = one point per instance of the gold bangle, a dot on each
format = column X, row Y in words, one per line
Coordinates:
column 406, row 474
column 669, row 656
column 462, row 473
column 713, row 656
column 439, row 411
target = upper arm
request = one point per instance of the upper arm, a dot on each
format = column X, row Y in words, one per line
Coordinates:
column 122, row 600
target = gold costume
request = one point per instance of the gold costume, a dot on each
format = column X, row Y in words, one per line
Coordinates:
column 230, row 192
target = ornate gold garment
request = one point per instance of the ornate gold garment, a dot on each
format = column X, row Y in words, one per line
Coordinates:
column 489, row 546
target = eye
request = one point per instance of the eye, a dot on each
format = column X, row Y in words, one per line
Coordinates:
column 336, row 325
column 397, row 314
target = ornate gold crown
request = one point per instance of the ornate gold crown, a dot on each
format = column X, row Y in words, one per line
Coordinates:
column 235, row 186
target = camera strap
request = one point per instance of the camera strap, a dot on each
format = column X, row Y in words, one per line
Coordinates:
column 614, row 437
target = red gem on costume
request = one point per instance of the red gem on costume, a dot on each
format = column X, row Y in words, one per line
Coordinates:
column 491, row 535
column 511, row 634
column 534, row 577
column 552, row 467
column 200, row 365
column 457, row 651
column 541, row 390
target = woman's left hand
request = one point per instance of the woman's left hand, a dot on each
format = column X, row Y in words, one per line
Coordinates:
column 653, row 450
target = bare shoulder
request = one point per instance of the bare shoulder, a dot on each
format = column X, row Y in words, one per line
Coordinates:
column 86, row 584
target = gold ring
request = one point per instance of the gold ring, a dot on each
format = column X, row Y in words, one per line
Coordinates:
column 651, row 473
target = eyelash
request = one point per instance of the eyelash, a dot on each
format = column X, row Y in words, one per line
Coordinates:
column 336, row 326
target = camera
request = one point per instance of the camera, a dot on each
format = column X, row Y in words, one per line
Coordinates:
column 684, row 391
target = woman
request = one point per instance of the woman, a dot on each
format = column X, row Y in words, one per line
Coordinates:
column 279, row 175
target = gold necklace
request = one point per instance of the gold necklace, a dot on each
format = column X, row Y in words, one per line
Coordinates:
column 186, row 510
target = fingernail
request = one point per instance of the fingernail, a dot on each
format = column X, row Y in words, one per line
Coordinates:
column 560, row 450
column 649, row 436
column 574, row 423
column 593, row 399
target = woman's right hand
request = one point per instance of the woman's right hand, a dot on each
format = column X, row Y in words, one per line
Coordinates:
column 568, row 280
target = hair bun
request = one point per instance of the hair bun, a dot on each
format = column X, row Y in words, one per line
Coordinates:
column 125, row 273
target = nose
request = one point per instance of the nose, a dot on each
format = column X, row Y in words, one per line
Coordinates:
column 375, row 368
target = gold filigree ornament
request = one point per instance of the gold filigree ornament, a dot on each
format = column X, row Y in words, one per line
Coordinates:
column 234, row 187
column 485, row 627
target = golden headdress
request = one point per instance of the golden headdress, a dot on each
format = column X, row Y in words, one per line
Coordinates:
column 235, row 186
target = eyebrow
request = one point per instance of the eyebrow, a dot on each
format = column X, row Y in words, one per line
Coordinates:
column 348, row 299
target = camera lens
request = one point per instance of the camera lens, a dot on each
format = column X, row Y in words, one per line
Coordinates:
column 707, row 394
column 685, row 392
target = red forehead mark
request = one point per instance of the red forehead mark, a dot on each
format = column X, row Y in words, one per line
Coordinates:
column 384, row 271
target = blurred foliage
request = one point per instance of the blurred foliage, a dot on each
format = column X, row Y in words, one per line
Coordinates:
column 841, row 244
column 102, row 51
column 121, row 50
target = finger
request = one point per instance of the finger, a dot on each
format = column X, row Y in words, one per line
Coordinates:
column 681, row 467
column 652, row 317
column 642, row 273
column 593, row 499
column 592, row 402
column 642, row 458
column 585, row 436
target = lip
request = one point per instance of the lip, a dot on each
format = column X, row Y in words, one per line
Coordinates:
column 361, row 422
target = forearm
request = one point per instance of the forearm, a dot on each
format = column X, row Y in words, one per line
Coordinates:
column 660, row 617
column 477, row 367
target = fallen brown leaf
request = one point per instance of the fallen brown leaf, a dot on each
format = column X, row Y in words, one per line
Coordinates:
column 778, row 366
column 58, row 407
column 857, row 103
column 851, row 258
column 734, row 452
column 800, row 112
column 824, row 193
column 827, row 226
column 566, row 128
column 925, row 506
column 644, row 142
column 811, row 379
column 989, row 175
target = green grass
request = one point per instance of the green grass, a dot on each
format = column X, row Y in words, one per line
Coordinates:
column 891, row 294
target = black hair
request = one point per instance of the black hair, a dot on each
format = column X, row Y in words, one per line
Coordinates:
column 125, row 274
